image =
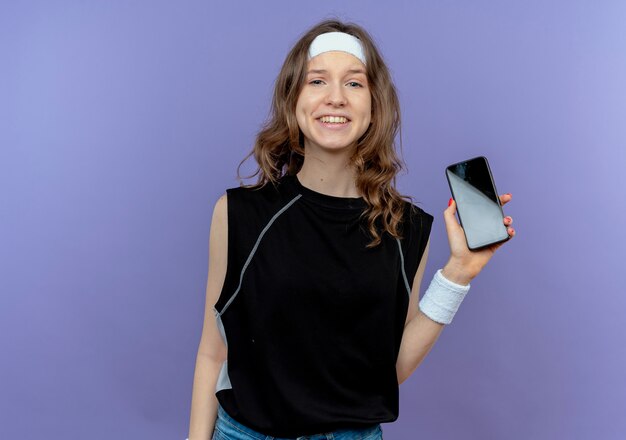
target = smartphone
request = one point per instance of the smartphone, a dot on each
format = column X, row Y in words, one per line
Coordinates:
column 477, row 202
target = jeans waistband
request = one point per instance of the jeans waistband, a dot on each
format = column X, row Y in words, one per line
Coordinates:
column 242, row 431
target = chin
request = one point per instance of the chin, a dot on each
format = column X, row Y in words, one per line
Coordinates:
column 335, row 146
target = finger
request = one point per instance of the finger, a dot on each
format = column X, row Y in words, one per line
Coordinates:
column 495, row 247
column 508, row 220
column 505, row 198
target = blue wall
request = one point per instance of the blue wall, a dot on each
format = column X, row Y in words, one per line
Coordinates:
column 121, row 123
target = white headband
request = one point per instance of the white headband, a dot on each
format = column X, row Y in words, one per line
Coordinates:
column 340, row 41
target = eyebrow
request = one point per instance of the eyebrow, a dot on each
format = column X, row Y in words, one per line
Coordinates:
column 358, row 70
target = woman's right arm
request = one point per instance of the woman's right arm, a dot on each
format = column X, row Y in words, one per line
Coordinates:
column 211, row 351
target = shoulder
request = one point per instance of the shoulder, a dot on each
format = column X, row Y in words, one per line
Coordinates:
column 254, row 193
column 416, row 217
column 221, row 204
column 253, row 206
column 416, row 228
column 219, row 219
column 416, row 234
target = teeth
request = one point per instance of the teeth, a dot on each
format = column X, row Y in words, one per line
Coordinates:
column 334, row 119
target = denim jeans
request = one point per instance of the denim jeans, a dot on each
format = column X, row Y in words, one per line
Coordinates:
column 227, row 428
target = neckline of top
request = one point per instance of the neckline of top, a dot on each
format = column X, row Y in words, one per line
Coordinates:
column 325, row 199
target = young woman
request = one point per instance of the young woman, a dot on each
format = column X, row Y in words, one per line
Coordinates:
column 312, row 317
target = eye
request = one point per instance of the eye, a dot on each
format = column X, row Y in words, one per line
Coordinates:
column 316, row 82
column 355, row 84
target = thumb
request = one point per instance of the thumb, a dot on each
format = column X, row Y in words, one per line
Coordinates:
column 452, row 226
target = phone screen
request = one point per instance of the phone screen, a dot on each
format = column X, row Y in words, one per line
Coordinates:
column 477, row 202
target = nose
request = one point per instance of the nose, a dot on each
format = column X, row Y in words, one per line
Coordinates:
column 336, row 96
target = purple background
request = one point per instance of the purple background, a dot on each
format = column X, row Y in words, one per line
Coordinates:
column 122, row 122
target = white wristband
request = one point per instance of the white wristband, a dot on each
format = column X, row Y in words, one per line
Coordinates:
column 442, row 299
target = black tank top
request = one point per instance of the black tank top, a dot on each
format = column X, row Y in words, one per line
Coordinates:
column 312, row 319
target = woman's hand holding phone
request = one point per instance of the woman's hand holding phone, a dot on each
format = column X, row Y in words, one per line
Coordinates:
column 464, row 264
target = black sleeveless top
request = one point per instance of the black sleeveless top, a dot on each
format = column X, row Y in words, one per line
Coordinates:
column 312, row 319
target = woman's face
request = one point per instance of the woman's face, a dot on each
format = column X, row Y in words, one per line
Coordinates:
column 334, row 108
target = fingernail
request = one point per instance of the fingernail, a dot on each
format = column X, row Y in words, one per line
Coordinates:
column 450, row 201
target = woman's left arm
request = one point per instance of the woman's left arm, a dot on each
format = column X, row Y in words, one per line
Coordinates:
column 421, row 332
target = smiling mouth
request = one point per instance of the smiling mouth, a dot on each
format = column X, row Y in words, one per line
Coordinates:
column 334, row 120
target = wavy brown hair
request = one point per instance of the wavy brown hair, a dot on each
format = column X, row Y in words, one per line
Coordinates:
column 279, row 146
